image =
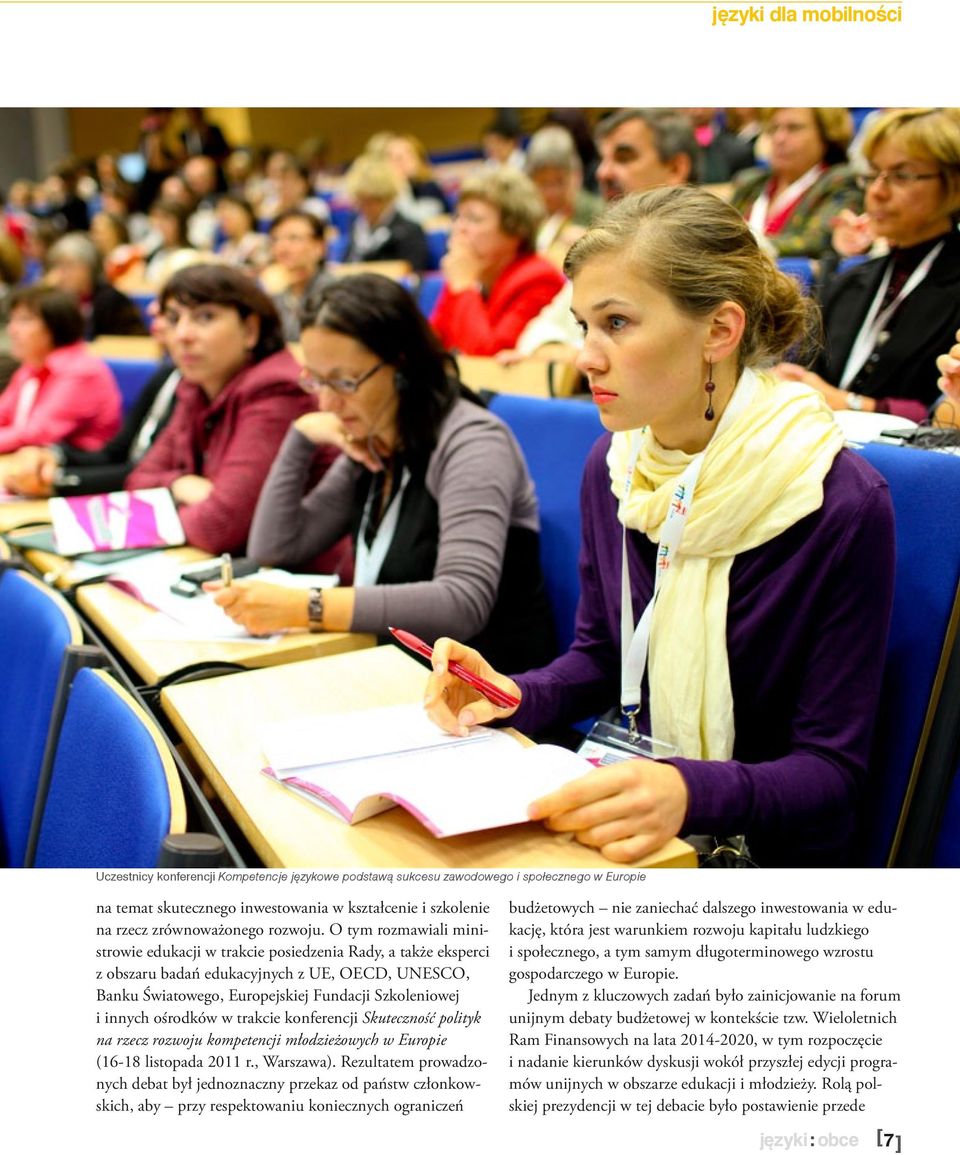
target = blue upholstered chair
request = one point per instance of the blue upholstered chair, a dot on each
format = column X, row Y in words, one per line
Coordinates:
column 114, row 793
column 801, row 269
column 143, row 301
column 925, row 488
column 555, row 437
column 431, row 285
column 131, row 377
column 851, row 262
column 337, row 247
column 437, row 240
column 36, row 626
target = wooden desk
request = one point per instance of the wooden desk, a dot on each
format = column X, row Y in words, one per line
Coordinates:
column 126, row 348
column 395, row 270
column 529, row 378
column 217, row 720
column 121, row 620
column 14, row 513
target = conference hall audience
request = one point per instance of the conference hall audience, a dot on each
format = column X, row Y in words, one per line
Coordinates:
column 722, row 152
column 501, row 140
column 380, row 231
column 242, row 244
column 202, row 138
column 75, row 265
column 639, row 149
column 299, row 248
column 554, row 167
column 286, row 186
column 201, row 177
column 109, row 233
column 495, row 283
column 168, row 220
column 791, row 204
column 420, row 197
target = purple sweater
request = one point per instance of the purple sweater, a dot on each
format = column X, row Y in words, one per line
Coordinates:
column 806, row 634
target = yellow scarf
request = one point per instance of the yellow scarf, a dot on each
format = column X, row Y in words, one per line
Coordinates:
column 762, row 472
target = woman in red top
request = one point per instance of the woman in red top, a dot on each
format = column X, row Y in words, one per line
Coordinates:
column 239, row 394
column 495, row 282
column 60, row 392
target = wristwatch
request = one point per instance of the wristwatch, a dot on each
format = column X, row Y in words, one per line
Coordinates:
column 315, row 611
column 855, row 401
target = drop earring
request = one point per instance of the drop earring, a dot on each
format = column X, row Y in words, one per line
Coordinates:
column 709, row 386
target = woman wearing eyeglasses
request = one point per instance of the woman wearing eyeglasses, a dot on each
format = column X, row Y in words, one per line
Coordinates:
column 790, row 205
column 886, row 321
column 432, row 488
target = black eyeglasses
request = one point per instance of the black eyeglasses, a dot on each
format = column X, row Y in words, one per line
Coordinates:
column 898, row 178
column 311, row 383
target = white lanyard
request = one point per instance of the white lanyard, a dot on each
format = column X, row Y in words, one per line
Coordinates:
column 763, row 207
column 25, row 402
column 635, row 643
column 160, row 405
column 874, row 327
column 369, row 558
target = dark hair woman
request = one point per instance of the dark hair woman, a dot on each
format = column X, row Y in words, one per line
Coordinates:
column 238, row 396
column 432, row 488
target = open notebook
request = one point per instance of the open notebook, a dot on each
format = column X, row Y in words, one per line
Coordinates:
column 361, row 763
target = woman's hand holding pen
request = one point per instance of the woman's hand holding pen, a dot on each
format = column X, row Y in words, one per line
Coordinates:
column 450, row 702
column 261, row 608
column 625, row 810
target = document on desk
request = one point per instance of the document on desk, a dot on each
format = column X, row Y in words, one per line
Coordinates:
column 361, row 763
column 179, row 619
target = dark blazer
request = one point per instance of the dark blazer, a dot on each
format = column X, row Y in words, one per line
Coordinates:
column 924, row 327
column 397, row 239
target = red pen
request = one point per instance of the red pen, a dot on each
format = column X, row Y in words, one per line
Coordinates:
column 491, row 692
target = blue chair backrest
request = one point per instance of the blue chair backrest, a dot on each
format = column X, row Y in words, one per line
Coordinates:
column 131, row 377
column 337, row 247
column 36, row 626
column 436, row 247
column 801, row 269
column 851, row 263
column 114, row 793
column 342, row 217
column 431, row 286
column 143, row 301
column 924, row 487
column 555, row 436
